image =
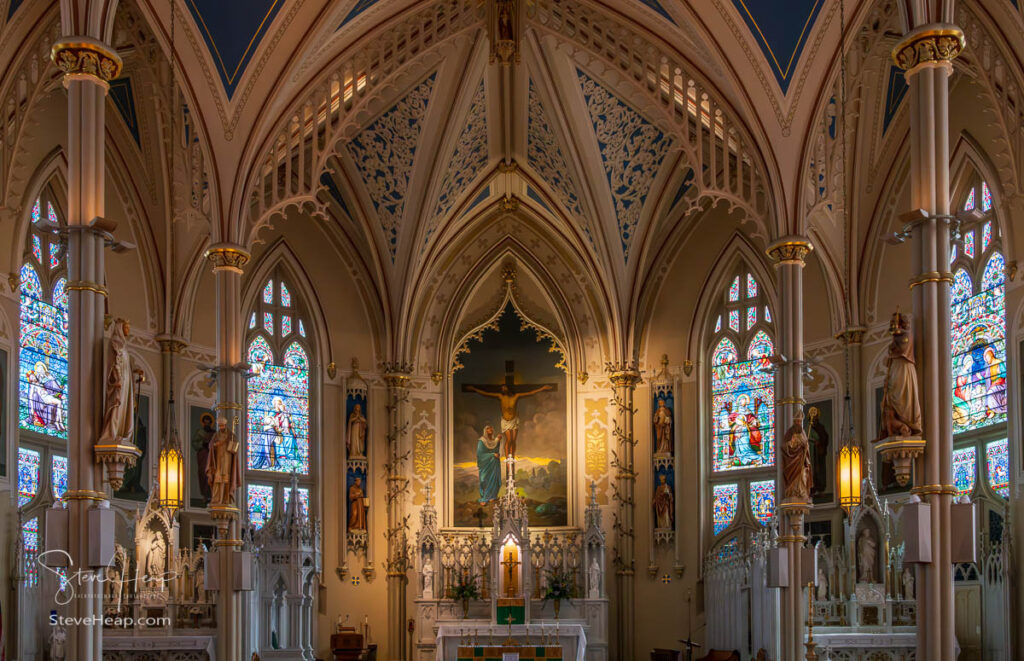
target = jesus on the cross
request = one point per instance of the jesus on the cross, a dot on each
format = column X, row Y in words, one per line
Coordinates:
column 508, row 396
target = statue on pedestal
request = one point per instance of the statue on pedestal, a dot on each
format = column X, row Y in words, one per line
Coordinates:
column 428, row 579
column 664, row 505
column 594, row 579
column 222, row 469
column 867, row 550
column 357, row 433
column 796, row 460
column 58, row 644
column 662, row 428
column 908, row 583
column 901, row 403
column 119, row 403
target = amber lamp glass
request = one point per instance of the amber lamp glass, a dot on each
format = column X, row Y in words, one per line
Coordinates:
column 170, row 478
column 849, row 477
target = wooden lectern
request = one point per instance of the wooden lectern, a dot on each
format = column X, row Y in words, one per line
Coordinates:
column 347, row 645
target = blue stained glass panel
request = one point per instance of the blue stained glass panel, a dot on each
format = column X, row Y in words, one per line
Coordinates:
column 952, row 254
column 59, row 475
column 286, row 325
column 742, row 401
column 51, row 215
column 252, row 321
column 734, row 289
column 725, row 498
column 751, row 286
column 762, row 500
column 268, row 292
column 761, row 346
column 37, row 212
column 997, row 459
column 30, row 535
column 42, row 358
column 969, row 244
column 260, row 501
column 734, row 320
column 962, row 286
column 751, row 317
column 767, row 314
column 302, row 328
column 286, row 296
column 37, row 249
column 28, row 475
column 303, row 500
column 986, row 236
column 965, row 471
column 718, row 324
column 268, row 322
column 54, row 252
column 986, row 197
column 728, row 549
column 278, row 410
column 978, row 337
column 725, row 352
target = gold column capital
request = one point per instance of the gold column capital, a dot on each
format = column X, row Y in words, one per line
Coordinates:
column 171, row 343
column 227, row 257
column 397, row 374
column 83, row 57
column 623, row 374
column 929, row 44
column 790, row 249
column 852, row 335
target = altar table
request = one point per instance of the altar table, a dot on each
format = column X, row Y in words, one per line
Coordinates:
column 570, row 637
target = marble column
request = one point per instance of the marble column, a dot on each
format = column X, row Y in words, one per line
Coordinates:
column 788, row 253
column 926, row 54
column 88, row 66
column 228, row 260
column 624, row 378
column 397, row 377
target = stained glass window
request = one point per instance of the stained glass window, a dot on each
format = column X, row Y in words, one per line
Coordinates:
column 726, row 498
column 302, row 329
column 286, row 326
column 969, row 244
column 43, row 336
column 728, row 549
column 286, row 296
column 997, row 460
column 767, row 314
column 252, row 321
column 59, row 476
column 743, row 396
column 761, row 347
column 762, row 500
column 30, row 535
column 36, row 212
column 751, row 286
column 724, row 353
column 751, row 317
column 278, row 410
column 718, row 323
column 986, row 236
column 734, row 289
column 303, row 500
column 268, row 322
column 965, row 471
column 268, row 292
column 986, row 197
column 28, row 475
column 734, row 320
column 952, row 254
column 260, row 503
column 969, row 204
column 979, row 349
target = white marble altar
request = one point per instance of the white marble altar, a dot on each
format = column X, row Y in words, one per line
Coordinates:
column 571, row 637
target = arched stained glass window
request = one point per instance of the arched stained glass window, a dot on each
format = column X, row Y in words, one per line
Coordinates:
column 278, row 398
column 742, row 407
column 28, row 475
column 59, row 476
column 965, row 470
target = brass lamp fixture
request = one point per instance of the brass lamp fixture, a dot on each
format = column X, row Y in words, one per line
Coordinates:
column 171, row 474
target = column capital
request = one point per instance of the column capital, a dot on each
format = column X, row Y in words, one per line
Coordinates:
column 227, row 257
column 929, row 44
column 171, row 343
column 397, row 374
column 623, row 374
column 86, row 58
column 790, row 249
column 852, row 335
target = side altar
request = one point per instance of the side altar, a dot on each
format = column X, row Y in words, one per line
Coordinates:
column 511, row 569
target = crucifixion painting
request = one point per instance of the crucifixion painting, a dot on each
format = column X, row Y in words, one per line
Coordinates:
column 508, row 400
column 508, row 395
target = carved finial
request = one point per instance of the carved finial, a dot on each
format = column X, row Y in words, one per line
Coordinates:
column 593, row 492
column 508, row 274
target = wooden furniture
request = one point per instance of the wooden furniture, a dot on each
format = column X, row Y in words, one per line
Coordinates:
column 347, row 645
column 721, row 655
column 658, row 654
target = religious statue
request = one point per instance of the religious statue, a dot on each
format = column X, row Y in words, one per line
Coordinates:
column 594, row 579
column 154, row 564
column 356, row 506
column 112, row 585
column 822, row 585
column 662, row 428
column 908, row 583
column 508, row 397
column 119, row 403
column 867, row 548
column 356, row 441
column 818, row 438
column 428, row 579
column 58, row 644
column 200, row 586
column 201, row 448
column 796, row 460
column 488, row 464
column 901, row 404
column 222, row 467
column 664, row 505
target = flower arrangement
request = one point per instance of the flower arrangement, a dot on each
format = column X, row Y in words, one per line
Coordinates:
column 561, row 584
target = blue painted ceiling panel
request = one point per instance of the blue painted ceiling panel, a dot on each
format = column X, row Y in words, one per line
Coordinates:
column 123, row 99
column 780, row 32
column 13, row 7
column 894, row 93
column 232, row 30
column 357, row 9
column 656, row 6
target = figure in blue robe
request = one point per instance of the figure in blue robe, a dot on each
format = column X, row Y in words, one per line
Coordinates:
column 488, row 463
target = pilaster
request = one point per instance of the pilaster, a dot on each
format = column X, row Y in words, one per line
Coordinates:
column 397, row 563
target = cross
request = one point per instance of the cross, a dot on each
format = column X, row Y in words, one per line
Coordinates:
column 508, row 641
column 508, row 394
column 510, row 565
